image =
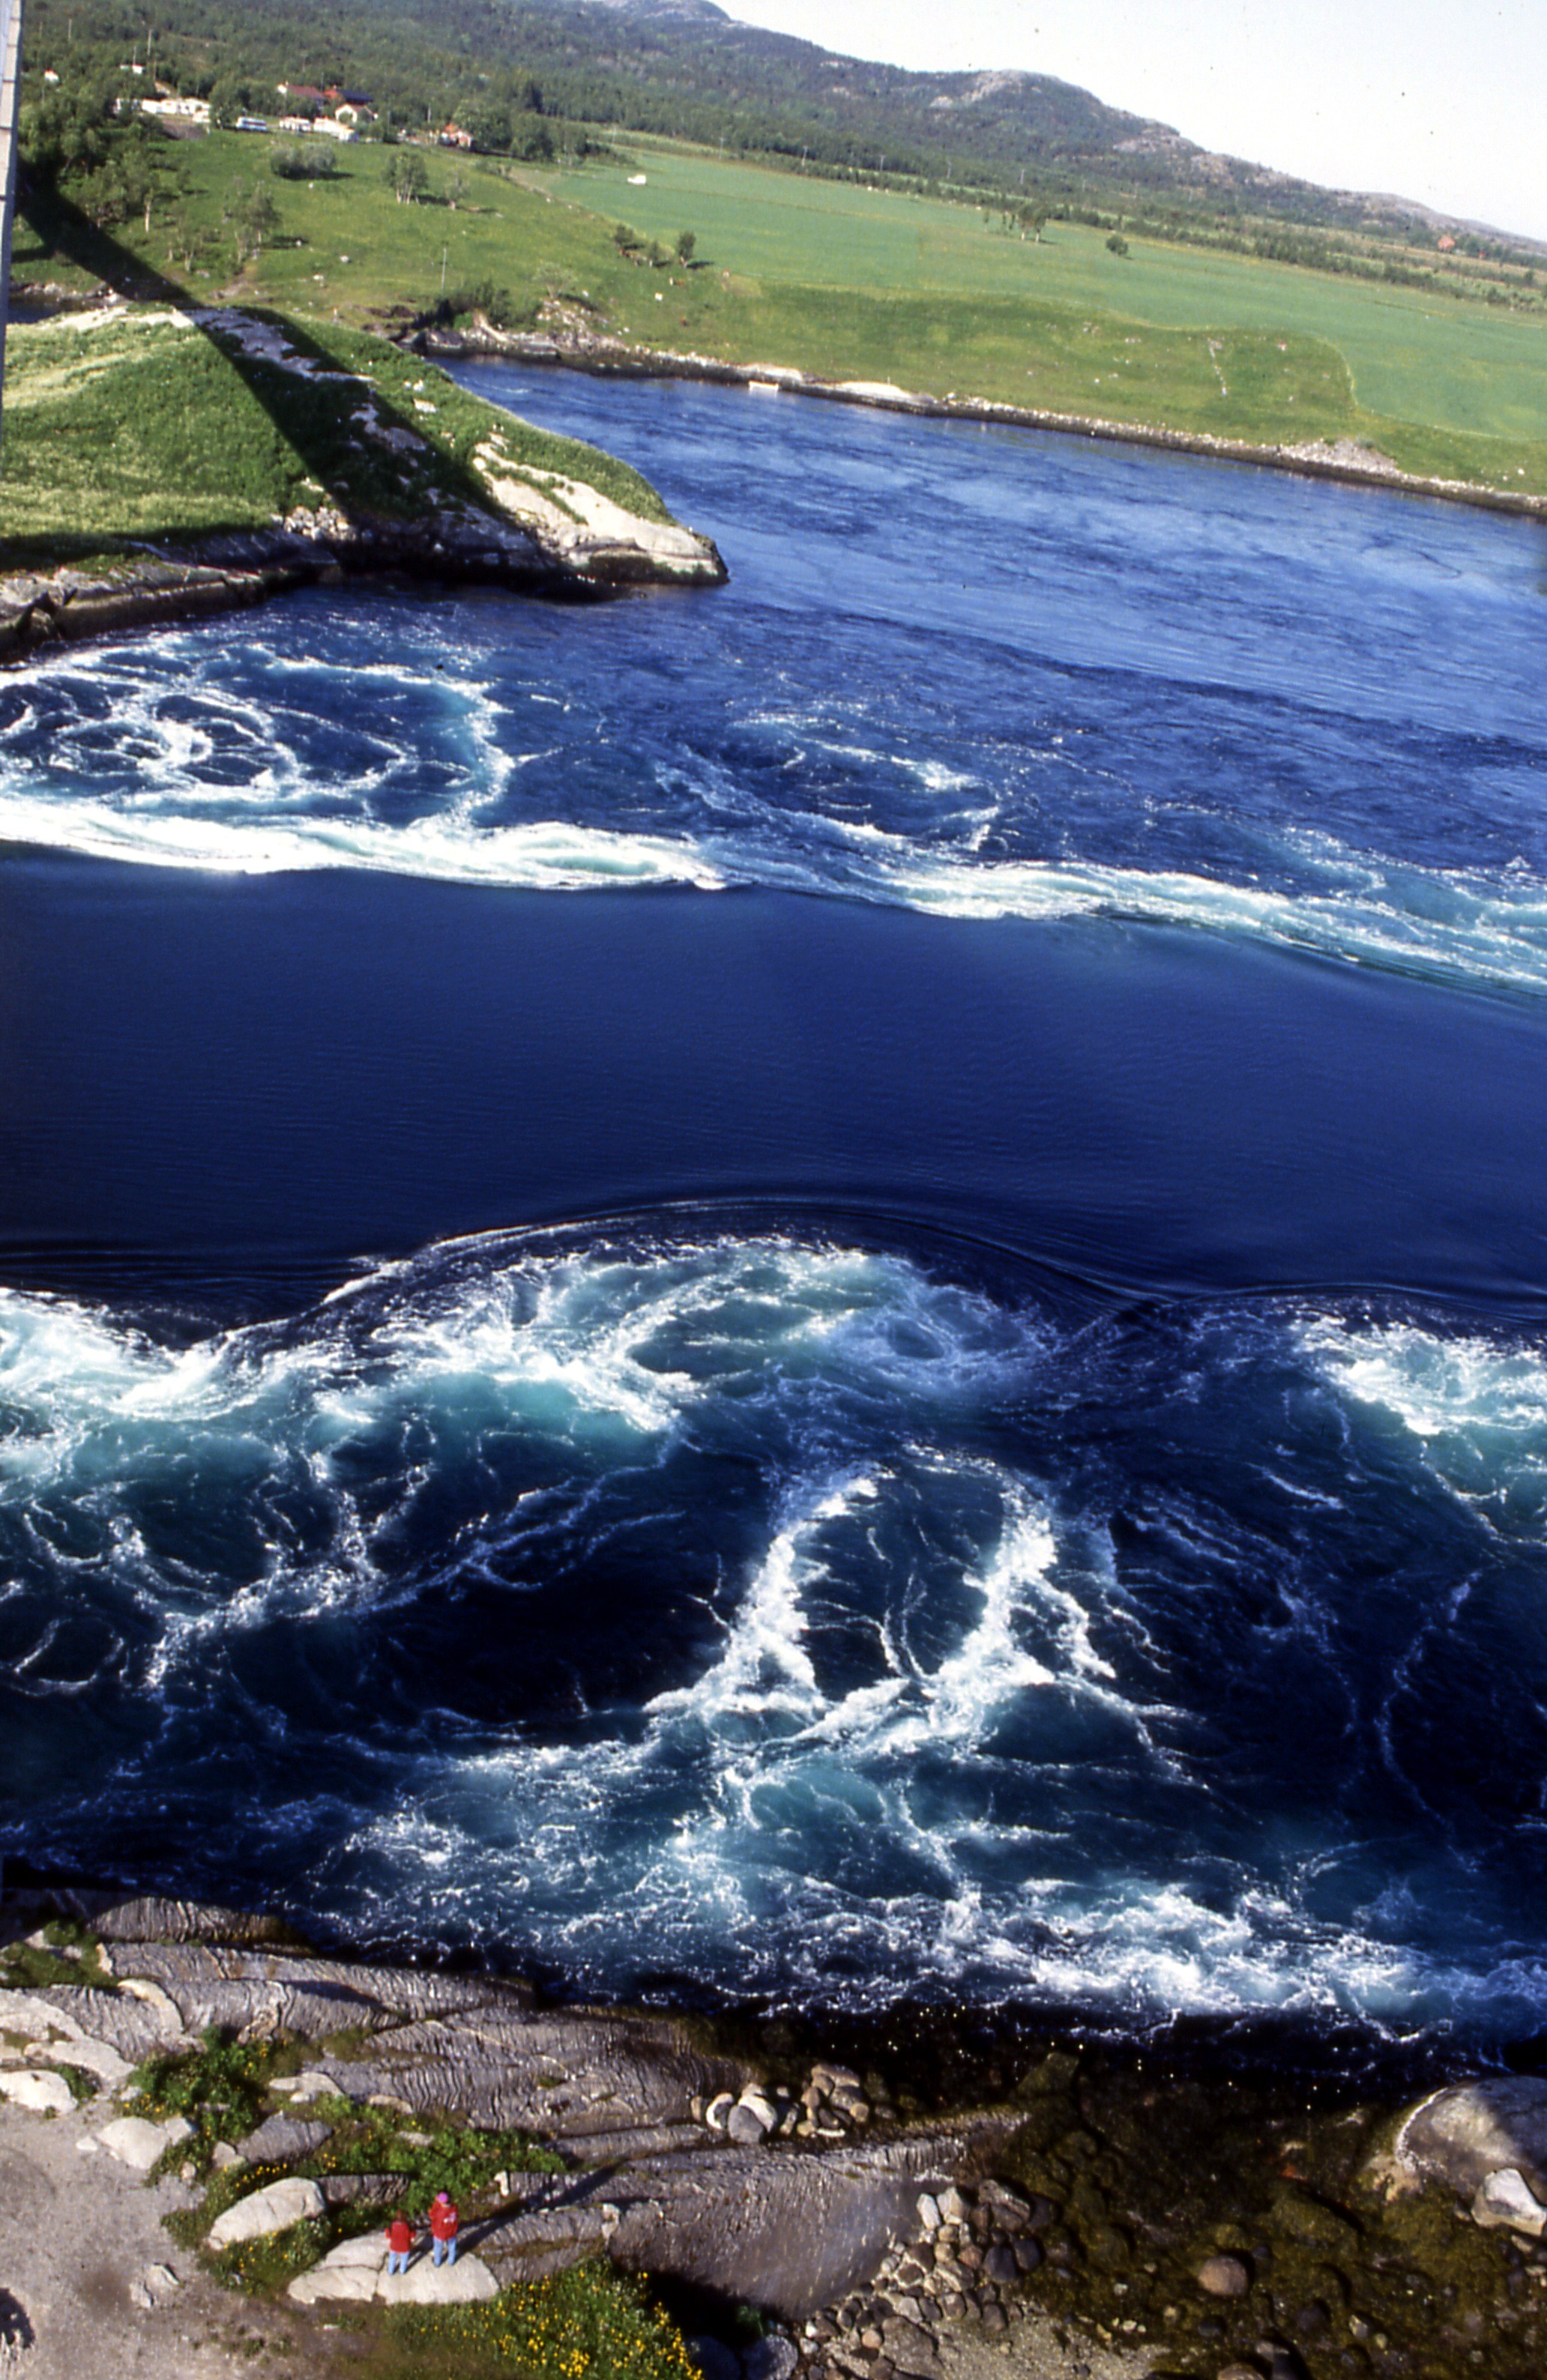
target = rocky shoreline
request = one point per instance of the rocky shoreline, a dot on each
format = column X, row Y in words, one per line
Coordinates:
column 1095, row 2213
column 580, row 350
column 238, row 569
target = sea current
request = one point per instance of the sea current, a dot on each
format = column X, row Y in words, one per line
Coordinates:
column 936, row 1387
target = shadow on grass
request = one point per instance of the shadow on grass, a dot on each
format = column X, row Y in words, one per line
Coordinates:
column 309, row 407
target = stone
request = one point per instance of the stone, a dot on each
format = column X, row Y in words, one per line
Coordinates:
column 467, row 2282
column 311, row 2084
column 747, row 2127
column 717, row 2110
column 137, row 2143
column 759, row 2104
column 152, row 2287
column 223, row 2157
column 953, row 2207
column 1223, row 2276
column 772, row 2357
column 1001, row 2266
column 44, row 2092
column 279, row 2140
column 994, row 2321
column 1027, row 2255
column 1506, row 2201
column 264, row 2212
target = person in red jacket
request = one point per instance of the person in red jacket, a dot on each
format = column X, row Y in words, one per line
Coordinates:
column 443, row 2219
column 399, row 2239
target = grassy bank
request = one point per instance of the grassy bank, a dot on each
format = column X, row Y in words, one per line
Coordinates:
column 130, row 429
column 853, row 283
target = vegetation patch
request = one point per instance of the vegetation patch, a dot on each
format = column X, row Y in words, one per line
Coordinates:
column 68, row 1953
column 590, row 2320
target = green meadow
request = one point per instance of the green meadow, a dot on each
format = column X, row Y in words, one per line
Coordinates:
column 832, row 278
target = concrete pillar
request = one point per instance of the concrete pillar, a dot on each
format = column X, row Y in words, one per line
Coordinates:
column 10, row 93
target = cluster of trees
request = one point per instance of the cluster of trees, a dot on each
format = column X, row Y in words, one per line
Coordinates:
column 640, row 250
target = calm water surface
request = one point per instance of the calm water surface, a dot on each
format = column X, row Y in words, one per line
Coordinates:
column 835, row 1288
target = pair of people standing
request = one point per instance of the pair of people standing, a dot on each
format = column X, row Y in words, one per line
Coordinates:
column 443, row 2223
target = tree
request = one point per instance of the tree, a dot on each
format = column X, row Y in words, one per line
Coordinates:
column 1117, row 244
column 253, row 216
column 409, row 176
column 230, row 98
column 686, row 244
column 455, row 190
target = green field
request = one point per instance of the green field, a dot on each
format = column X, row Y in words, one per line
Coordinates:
column 1411, row 355
column 834, row 279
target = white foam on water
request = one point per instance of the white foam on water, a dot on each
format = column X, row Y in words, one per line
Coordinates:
column 872, row 1777
column 169, row 754
column 1477, row 1407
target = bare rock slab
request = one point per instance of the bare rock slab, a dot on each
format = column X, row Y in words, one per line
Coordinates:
column 467, row 2282
column 265, row 2211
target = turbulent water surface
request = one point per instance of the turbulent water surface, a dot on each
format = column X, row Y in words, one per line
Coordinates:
column 1033, row 1481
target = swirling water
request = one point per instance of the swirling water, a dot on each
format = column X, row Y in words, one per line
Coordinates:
column 1044, row 1494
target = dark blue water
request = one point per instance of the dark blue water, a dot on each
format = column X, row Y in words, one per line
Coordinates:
column 835, row 1287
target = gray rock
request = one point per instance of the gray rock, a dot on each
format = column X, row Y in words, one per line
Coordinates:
column 791, row 2233
column 746, row 2126
column 1027, row 2255
column 772, row 2357
column 1001, row 2266
column 1506, row 2201
column 365, row 2188
column 279, row 2140
column 1223, row 2276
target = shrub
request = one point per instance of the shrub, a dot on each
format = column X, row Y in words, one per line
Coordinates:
column 303, row 160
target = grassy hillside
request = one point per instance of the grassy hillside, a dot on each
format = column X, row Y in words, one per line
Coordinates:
column 840, row 280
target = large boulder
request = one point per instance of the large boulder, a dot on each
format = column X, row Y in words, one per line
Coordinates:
column 267, row 2211
column 279, row 2140
column 44, row 2092
column 137, row 2143
column 1461, row 2135
column 347, row 2272
column 787, row 2233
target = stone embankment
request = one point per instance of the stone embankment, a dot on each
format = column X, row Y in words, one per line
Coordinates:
column 1068, row 2227
column 1342, row 459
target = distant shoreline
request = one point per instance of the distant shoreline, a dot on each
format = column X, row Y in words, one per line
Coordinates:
column 1343, row 460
